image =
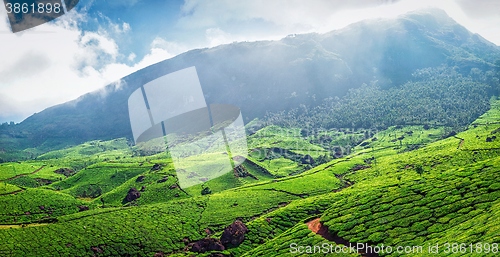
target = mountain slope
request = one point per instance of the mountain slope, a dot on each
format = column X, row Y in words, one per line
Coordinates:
column 270, row 76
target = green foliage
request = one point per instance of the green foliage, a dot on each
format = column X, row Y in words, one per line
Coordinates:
column 416, row 207
column 288, row 243
column 420, row 170
column 434, row 96
column 206, row 191
column 12, row 169
column 290, row 151
column 374, row 195
column 99, row 178
column 34, row 205
column 6, row 188
column 366, row 185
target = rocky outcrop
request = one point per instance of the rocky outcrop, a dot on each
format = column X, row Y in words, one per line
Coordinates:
column 162, row 180
column 65, row 171
column 206, row 244
column 156, row 167
column 83, row 208
column 234, row 234
column 307, row 159
column 132, row 195
column 140, row 178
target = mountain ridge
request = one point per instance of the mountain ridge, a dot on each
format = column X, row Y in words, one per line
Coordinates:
column 270, row 76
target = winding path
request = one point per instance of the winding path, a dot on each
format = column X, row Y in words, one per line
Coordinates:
column 24, row 174
column 18, row 176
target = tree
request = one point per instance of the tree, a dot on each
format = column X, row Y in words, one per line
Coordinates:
column 497, row 73
column 420, row 170
column 206, row 191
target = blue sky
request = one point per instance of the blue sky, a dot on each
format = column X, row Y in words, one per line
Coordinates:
column 101, row 41
column 149, row 20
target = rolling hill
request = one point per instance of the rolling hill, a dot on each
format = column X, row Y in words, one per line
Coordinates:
column 385, row 192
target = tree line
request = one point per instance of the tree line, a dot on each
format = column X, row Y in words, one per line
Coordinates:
column 435, row 96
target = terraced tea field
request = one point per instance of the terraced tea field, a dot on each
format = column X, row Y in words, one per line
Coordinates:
column 404, row 186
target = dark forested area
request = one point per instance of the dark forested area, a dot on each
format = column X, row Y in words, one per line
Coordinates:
column 435, row 96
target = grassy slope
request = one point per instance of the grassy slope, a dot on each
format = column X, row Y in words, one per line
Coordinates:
column 282, row 138
column 33, row 205
column 102, row 176
column 454, row 200
column 291, row 139
column 12, row 169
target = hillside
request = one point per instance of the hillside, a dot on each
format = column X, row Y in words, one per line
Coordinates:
column 384, row 192
column 383, row 135
column 276, row 76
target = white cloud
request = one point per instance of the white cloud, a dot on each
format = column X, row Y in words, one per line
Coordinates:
column 216, row 36
column 127, row 3
column 169, row 46
column 288, row 14
column 96, row 49
column 131, row 57
column 119, row 29
column 56, row 62
column 125, row 27
column 29, row 65
column 161, row 49
column 284, row 17
column 480, row 8
column 113, row 27
column 11, row 107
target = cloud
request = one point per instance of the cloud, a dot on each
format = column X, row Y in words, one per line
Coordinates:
column 216, row 36
column 284, row 13
column 112, row 27
column 126, row 3
column 227, row 21
column 125, row 27
column 480, row 9
column 96, row 49
column 120, row 28
column 482, row 17
column 10, row 110
column 29, row 65
column 35, row 65
column 57, row 62
column 131, row 57
column 282, row 17
column 160, row 50
column 169, row 46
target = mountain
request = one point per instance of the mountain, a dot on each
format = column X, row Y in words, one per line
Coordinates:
column 270, row 76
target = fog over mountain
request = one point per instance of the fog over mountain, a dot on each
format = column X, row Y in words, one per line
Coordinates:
column 270, row 76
